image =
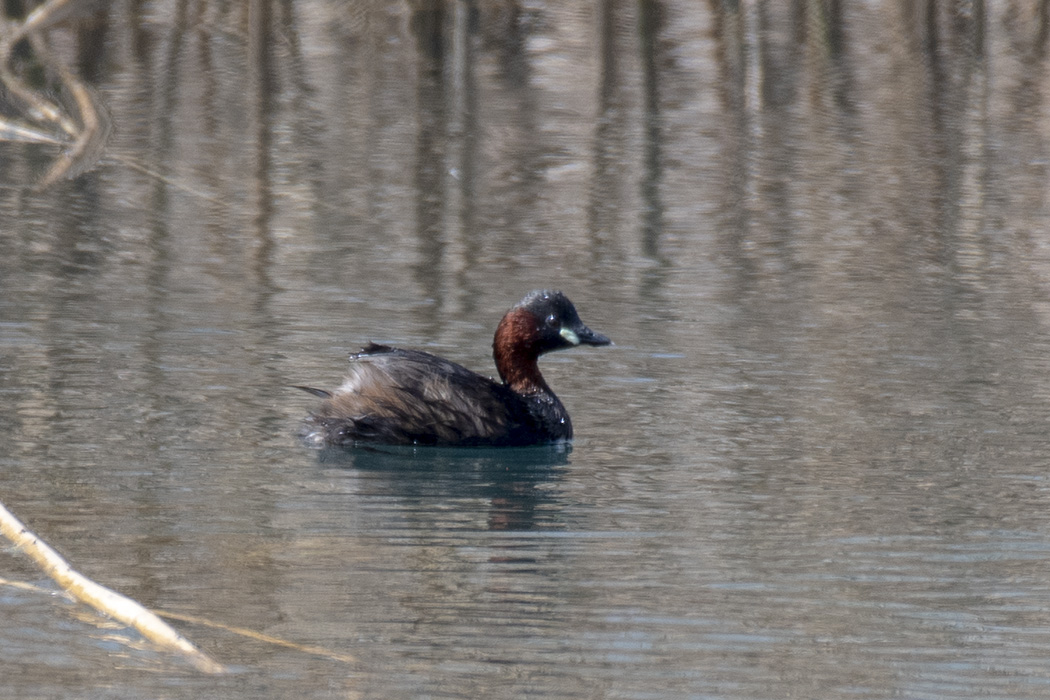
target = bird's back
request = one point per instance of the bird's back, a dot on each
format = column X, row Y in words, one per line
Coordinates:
column 397, row 396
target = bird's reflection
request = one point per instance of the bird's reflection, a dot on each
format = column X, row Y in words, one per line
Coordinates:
column 510, row 480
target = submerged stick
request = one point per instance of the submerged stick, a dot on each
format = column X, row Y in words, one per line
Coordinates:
column 104, row 600
column 314, row 649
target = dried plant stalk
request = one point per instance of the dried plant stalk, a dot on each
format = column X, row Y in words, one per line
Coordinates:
column 104, row 600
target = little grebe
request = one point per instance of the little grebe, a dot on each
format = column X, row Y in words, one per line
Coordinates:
column 408, row 397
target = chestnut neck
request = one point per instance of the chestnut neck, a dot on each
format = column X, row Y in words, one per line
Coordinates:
column 516, row 350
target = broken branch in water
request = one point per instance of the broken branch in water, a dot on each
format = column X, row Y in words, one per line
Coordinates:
column 104, row 600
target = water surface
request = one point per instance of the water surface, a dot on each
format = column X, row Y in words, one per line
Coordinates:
column 813, row 465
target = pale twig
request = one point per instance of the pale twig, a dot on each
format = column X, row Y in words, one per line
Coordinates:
column 22, row 585
column 117, row 606
column 314, row 649
column 171, row 181
column 262, row 637
column 14, row 131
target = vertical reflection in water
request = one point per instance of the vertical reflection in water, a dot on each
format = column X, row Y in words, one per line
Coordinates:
column 752, row 329
column 428, row 28
column 834, row 124
column 91, row 43
column 307, row 125
column 971, row 243
column 736, row 142
column 209, row 101
column 936, row 82
column 516, row 192
column 161, row 130
column 263, row 85
column 1044, row 28
column 215, row 220
column 929, row 29
column 777, row 66
column 464, row 126
column 164, row 91
column 609, row 132
column 832, row 80
column 296, row 114
column 826, row 39
column 650, row 21
column 959, row 98
column 1025, row 110
column 957, row 95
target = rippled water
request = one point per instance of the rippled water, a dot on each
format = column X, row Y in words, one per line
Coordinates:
column 813, row 465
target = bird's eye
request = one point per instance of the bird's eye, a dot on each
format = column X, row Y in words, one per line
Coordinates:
column 552, row 321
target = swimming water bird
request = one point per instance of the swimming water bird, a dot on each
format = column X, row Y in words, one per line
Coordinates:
column 393, row 396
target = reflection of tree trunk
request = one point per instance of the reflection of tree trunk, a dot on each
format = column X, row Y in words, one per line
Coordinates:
column 650, row 22
column 778, row 71
column 1044, row 28
column 507, row 32
column 465, row 128
column 736, row 147
column 428, row 27
column 261, row 71
column 609, row 175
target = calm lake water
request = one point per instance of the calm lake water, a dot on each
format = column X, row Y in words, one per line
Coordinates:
column 816, row 463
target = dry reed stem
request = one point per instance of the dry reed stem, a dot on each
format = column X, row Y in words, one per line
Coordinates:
column 104, row 600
